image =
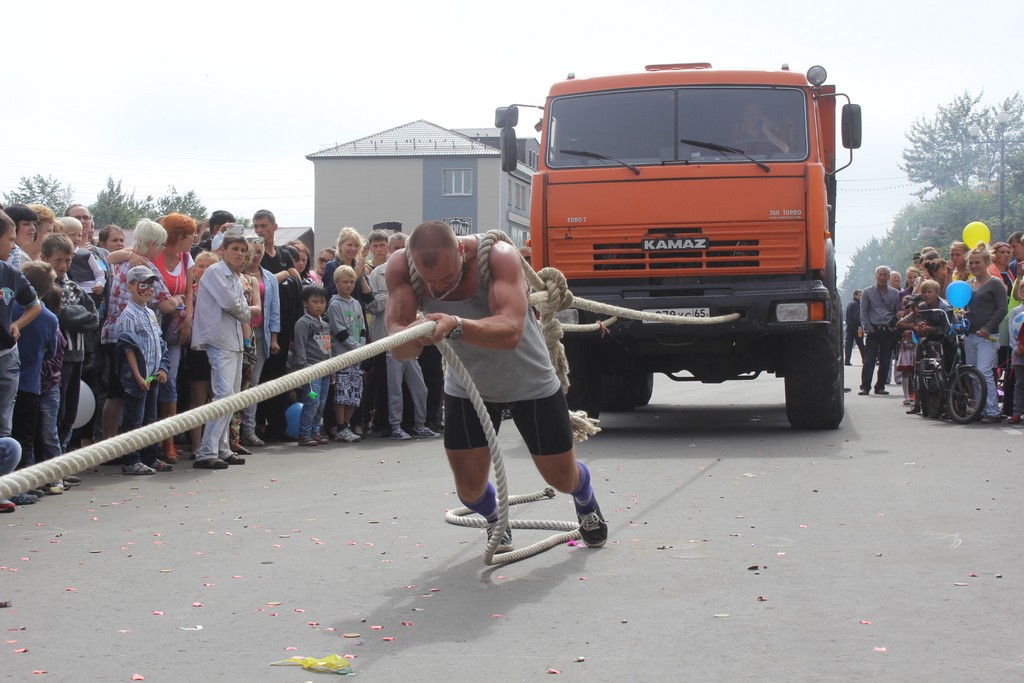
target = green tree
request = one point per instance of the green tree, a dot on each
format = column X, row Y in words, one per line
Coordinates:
column 114, row 205
column 187, row 204
column 47, row 191
column 943, row 155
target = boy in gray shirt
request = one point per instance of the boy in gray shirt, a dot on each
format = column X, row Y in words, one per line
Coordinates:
column 312, row 346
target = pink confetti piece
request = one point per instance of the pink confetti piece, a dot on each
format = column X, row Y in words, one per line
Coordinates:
column 22, row 649
column 197, row 604
column 410, row 586
column 803, row 526
column 554, row 671
column 583, row 578
column 435, row 590
column 496, row 616
column 208, row 585
column 70, row 590
column 299, row 610
column 138, row 677
column 388, row 638
column 573, row 543
column 376, row 628
column 407, row 623
column 866, row 623
column 124, row 631
column 25, row 559
column 158, row 613
column 10, row 642
column 40, row 524
column 40, row 671
column 881, row 649
column 289, row 649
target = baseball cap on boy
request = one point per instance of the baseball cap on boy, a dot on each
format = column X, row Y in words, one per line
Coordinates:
column 141, row 274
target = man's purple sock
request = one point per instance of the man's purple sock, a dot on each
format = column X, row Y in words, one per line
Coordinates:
column 583, row 496
column 487, row 506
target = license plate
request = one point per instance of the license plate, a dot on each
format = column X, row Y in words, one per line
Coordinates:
column 680, row 312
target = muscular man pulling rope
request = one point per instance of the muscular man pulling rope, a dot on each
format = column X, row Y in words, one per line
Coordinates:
column 493, row 331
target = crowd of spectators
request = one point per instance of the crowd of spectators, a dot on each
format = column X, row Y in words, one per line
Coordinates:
column 187, row 313
column 884, row 320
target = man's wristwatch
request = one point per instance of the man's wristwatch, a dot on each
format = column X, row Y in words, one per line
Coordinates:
column 457, row 332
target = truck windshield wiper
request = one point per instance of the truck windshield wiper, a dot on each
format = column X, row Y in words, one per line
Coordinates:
column 597, row 155
column 714, row 147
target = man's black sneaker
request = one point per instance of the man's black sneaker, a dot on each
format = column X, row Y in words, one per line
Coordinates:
column 593, row 528
column 881, row 392
column 505, row 545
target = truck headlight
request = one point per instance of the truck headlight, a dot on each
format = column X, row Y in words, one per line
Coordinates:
column 791, row 313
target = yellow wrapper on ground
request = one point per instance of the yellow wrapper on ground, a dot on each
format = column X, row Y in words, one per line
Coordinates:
column 331, row 664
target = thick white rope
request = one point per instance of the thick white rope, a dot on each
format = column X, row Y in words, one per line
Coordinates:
column 550, row 295
column 108, row 449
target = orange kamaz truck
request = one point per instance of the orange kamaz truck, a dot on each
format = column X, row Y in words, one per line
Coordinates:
column 695, row 192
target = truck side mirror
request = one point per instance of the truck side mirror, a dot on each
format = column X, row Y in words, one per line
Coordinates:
column 506, row 117
column 851, row 126
column 509, row 150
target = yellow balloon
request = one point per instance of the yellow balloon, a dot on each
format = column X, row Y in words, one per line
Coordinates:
column 975, row 232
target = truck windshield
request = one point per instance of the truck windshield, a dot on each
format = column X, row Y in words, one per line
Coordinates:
column 648, row 126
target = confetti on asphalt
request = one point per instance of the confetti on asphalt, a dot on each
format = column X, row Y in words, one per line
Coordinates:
column 720, row 616
column 554, row 671
column 960, row 583
column 138, row 677
column 881, row 649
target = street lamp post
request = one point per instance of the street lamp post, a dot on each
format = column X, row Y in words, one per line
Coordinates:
column 975, row 130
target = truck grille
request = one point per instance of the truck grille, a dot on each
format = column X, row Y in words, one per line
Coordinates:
column 771, row 248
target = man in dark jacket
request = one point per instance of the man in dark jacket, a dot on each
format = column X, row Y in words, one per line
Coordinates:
column 853, row 331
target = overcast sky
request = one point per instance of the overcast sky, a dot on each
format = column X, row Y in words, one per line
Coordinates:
column 229, row 101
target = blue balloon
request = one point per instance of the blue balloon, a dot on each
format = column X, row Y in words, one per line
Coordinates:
column 958, row 294
column 292, row 420
column 1015, row 324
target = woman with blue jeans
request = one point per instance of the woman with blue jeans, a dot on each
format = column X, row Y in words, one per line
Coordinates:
column 985, row 311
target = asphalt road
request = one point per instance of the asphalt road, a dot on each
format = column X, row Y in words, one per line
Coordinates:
column 888, row 550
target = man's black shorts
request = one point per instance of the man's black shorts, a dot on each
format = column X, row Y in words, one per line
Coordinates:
column 543, row 423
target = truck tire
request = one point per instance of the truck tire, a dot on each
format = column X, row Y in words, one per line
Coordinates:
column 644, row 387
column 814, row 383
column 585, row 379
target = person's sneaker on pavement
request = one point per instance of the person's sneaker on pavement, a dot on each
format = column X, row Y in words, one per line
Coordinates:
column 346, row 435
column 24, row 499
column 399, row 434
column 505, row 544
column 593, row 528
column 424, row 433
column 137, row 468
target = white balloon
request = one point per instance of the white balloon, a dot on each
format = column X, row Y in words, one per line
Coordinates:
column 86, row 406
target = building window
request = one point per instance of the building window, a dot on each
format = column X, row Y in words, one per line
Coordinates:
column 532, row 158
column 457, row 182
column 522, row 196
column 461, row 226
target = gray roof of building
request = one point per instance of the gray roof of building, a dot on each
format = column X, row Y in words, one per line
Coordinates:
column 417, row 139
column 478, row 132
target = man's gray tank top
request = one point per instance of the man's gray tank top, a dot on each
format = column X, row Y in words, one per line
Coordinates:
column 520, row 374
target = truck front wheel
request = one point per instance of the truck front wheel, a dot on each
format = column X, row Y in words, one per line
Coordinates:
column 814, row 383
